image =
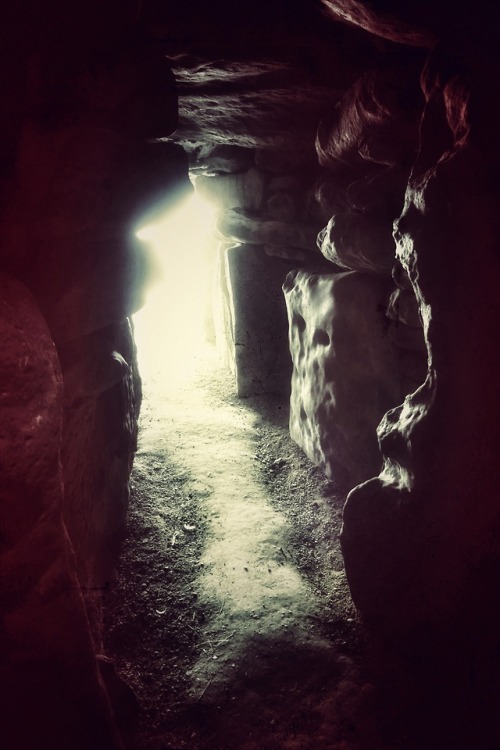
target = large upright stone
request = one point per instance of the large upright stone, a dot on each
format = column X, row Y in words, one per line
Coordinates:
column 102, row 398
column 47, row 666
column 345, row 373
column 258, row 348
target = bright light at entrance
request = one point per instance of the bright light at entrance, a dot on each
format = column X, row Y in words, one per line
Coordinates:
column 169, row 329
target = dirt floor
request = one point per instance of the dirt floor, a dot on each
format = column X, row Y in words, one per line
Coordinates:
column 230, row 616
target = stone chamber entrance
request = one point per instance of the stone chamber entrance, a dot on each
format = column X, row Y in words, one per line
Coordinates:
column 230, row 615
column 248, row 394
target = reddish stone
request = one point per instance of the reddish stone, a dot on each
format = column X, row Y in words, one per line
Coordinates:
column 47, row 660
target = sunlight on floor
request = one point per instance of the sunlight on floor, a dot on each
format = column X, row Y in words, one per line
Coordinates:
column 169, row 328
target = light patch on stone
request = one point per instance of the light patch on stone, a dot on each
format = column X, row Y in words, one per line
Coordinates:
column 345, row 371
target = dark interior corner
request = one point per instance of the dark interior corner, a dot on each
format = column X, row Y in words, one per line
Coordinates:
column 350, row 149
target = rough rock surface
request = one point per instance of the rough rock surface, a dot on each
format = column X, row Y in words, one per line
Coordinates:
column 81, row 174
column 81, row 95
column 375, row 122
column 382, row 19
column 257, row 332
column 268, row 91
column 358, row 243
column 438, row 487
column 102, row 399
column 213, row 107
column 38, row 577
column 345, row 373
column 420, row 22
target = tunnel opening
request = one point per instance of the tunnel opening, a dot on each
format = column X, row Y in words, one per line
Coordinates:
column 174, row 326
column 351, row 148
column 230, row 615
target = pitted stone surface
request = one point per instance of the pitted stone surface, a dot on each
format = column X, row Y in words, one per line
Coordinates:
column 345, row 374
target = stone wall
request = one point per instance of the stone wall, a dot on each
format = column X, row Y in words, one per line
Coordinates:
column 82, row 172
column 437, row 488
column 267, row 223
column 356, row 338
column 49, row 672
column 345, row 370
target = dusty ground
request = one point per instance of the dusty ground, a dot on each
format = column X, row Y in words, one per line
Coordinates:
column 230, row 616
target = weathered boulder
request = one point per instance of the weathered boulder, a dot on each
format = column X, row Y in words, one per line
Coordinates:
column 359, row 242
column 47, row 659
column 367, row 147
column 345, row 372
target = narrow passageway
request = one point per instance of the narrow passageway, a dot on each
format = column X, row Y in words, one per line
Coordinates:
column 231, row 614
